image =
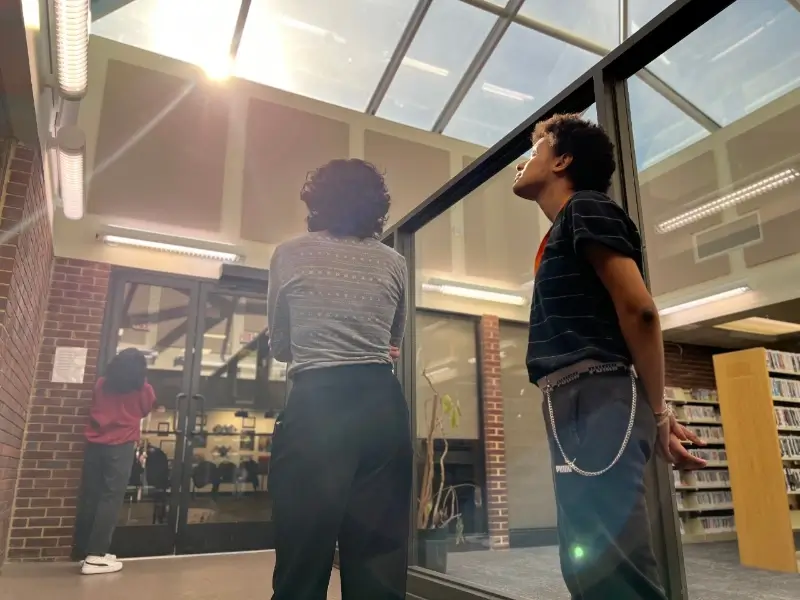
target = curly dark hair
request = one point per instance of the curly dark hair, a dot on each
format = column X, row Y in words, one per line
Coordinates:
column 126, row 373
column 348, row 198
column 590, row 147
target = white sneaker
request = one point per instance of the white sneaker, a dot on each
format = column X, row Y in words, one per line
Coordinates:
column 97, row 565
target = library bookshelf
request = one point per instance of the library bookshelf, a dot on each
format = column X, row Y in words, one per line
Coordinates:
column 703, row 498
column 759, row 397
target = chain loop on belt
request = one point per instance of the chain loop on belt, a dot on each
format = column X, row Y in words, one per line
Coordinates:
column 571, row 463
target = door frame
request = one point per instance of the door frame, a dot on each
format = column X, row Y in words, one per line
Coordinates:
column 203, row 538
column 175, row 537
column 152, row 540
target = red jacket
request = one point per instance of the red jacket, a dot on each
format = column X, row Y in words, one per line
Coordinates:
column 114, row 419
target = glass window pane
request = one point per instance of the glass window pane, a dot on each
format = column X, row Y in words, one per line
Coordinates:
column 595, row 20
column 444, row 46
column 659, row 127
column 526, row 70
column 591, row 113
column 641, row 12
column 721, row 212
column 330, row 51
column 741, row 60
column 195, row 31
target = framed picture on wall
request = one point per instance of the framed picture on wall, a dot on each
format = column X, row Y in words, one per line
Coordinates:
column 247, row 442
column 248, row 424
column 163, row 428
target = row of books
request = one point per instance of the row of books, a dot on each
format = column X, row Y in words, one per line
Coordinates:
column 790, row 446
column 708, row 434
column 704, row 500
column 696, row 412
column 788, row 362
column 711, row 455
column 787, row 417
column 792, row 477
column 785, row 388
column 681, row 395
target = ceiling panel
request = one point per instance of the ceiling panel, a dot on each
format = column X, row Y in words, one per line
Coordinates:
column 594, row 20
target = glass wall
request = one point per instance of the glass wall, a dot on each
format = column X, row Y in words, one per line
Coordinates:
column 719, row 187
column 476, row 261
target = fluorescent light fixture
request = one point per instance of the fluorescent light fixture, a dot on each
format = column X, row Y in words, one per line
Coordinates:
column 72, row 47
column 425, row 67
column 121, row 236
column 728, row 200
column 732, row 293
column 471, row 292
column 506, row 93
column 71, row 153
column 760, row 326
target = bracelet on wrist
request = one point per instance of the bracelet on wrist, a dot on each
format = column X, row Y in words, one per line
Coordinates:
column 664, row 415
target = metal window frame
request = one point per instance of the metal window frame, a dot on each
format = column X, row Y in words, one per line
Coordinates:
column 606, row 85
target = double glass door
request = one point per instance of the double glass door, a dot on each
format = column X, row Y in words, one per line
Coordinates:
column 198, row 483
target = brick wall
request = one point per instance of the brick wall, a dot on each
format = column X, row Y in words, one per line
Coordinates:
column 50, row 472
column 689, row 366
column 26, row 255
column 494, row 433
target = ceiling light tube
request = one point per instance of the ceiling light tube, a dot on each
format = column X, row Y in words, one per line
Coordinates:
column 737, row 291
column 474, row 292
column 71, row 153
column 205, row 253
column 72, row 47
column 728, row 200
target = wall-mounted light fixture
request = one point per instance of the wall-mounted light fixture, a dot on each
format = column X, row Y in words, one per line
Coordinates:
column 72, row 20
column 71, row 153
column 136, row 238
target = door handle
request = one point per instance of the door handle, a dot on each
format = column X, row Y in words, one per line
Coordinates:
column 199, row 410
column 178, row 399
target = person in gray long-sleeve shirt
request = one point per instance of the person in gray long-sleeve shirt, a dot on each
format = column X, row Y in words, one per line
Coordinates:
column 341, row 454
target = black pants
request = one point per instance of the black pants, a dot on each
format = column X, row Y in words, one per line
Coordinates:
column 604, row 530
column 341, row 469
column 106, row 470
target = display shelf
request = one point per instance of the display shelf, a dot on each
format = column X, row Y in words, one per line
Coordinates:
column 757, row 391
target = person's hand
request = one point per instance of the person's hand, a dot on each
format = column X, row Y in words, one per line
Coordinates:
column 670, row 444
column 394, row 352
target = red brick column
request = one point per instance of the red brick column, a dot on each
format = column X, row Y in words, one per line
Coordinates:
column 26, row 256
column 50, row 473
column 494, row 433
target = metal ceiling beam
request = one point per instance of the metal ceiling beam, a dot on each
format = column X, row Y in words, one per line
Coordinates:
column 624, row 21
column 238, row 31
column 478, row 62
column 409, row 33
column 657, row 84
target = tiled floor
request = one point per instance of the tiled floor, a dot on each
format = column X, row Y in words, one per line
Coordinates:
column 713, row 572
column 229, row 577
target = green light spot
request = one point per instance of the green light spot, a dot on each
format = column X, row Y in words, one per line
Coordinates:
column 577, row 553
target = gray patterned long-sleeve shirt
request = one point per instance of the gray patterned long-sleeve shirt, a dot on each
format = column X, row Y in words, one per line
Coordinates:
column 335, row 301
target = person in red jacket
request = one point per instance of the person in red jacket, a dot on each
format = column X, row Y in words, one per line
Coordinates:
column 122, row 398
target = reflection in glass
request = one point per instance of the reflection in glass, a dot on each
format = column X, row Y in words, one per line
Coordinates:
column 743, row 59
column 330, row 51
column 525, row 71
column 155, row 321
column 234, row 414
column 446, row 42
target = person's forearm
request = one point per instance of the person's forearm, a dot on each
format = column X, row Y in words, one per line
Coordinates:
column 642, row 332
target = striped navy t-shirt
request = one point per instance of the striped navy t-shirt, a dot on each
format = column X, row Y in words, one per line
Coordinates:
column 572, row 315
